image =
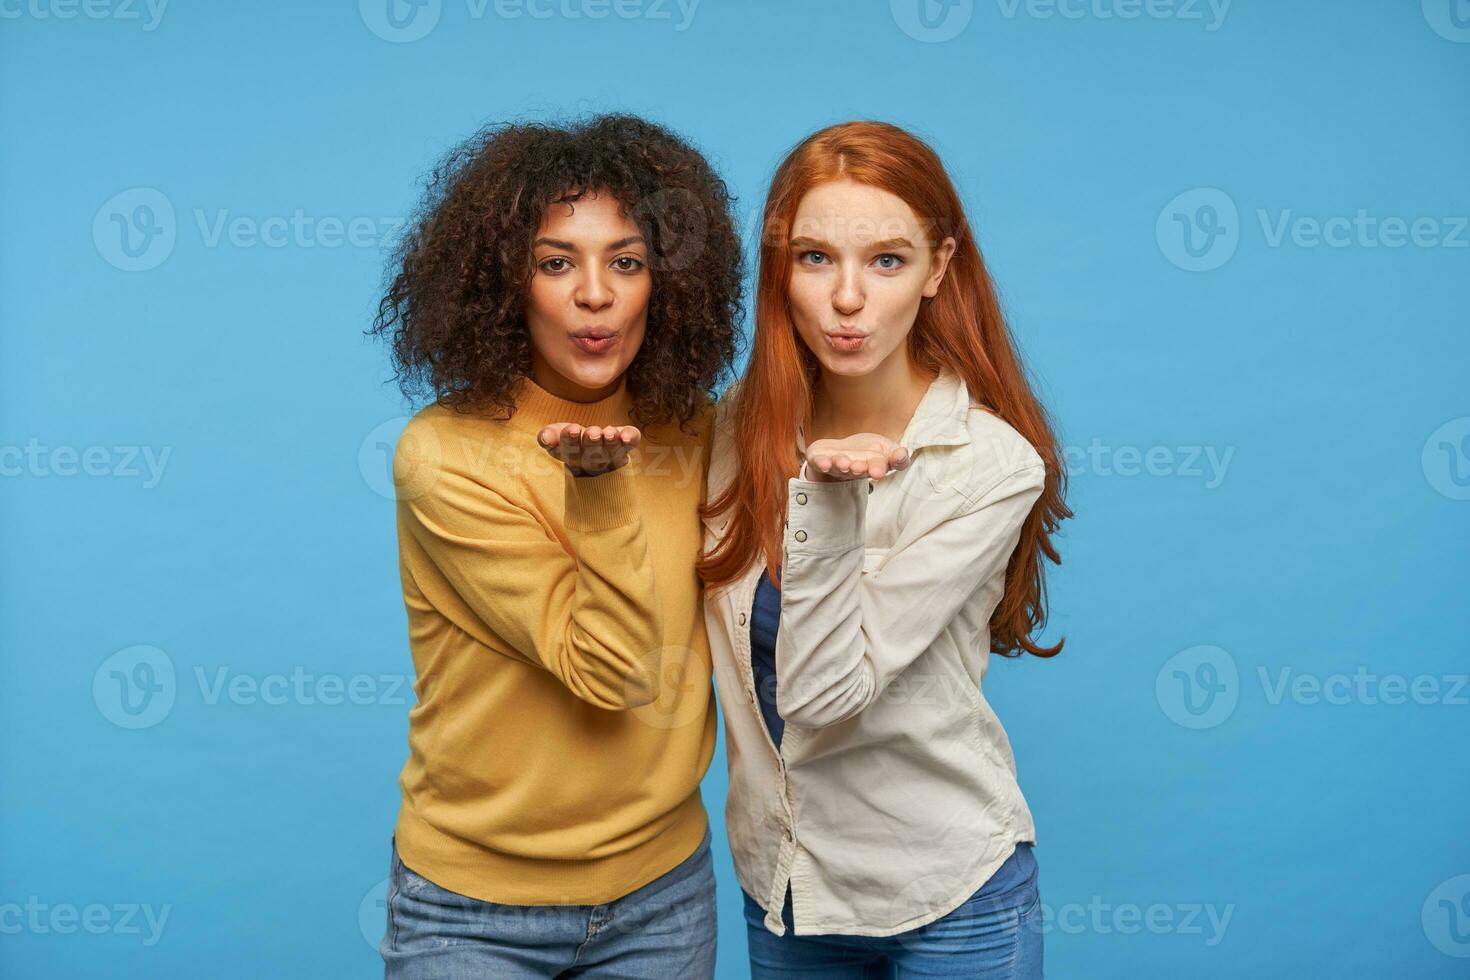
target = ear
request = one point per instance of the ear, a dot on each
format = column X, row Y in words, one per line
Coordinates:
column 938, row 265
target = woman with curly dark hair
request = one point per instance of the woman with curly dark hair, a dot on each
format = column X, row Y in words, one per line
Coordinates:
column 569, row 297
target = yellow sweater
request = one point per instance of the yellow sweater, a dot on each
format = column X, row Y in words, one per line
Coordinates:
column 564, row 715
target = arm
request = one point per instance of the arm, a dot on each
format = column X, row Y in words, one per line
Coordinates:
column 847, row 635
column 591, row 617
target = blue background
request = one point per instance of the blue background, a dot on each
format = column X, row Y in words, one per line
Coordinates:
column 1164, row 764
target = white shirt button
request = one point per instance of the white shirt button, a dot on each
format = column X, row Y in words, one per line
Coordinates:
column 801, row 498
column 800, row 535
column 742, row 619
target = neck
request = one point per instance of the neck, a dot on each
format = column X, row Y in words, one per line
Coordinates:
column 881, row 401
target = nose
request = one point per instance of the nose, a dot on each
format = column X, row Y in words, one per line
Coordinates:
column 847, row 292
column 593, row 292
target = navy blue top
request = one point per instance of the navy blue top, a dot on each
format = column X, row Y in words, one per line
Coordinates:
column 765, row 618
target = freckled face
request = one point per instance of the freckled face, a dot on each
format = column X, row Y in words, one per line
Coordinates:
column 861, row 263
column 588, row 304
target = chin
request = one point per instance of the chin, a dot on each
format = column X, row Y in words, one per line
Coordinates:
column 593, row 375
column 851, row 367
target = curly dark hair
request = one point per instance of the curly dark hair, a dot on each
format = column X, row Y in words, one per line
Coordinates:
column 460, row 275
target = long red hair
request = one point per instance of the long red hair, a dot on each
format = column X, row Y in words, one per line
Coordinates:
column 961, row 328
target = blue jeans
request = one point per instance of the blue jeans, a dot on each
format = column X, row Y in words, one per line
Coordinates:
column 994, row 935
column 662, row 931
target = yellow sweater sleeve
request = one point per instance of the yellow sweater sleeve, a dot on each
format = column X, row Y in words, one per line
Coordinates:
column 591, row 617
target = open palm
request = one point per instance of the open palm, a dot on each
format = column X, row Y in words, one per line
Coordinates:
column 863, row 456
column 589, row 450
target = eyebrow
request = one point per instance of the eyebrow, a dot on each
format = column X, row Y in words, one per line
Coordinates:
column 570, row 247
column 884, row 245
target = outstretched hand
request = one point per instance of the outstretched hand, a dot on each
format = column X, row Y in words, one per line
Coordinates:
column 864, row 456
column 589, row 450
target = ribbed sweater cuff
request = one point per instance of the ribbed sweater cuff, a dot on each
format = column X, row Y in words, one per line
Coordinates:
column 602, row 502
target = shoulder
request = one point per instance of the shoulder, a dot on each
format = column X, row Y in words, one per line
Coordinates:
column 722, row 444
column 723, row 421
column 998, row 454
column 443, row 451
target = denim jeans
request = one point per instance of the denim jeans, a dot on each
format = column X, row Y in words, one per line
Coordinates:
column 662, row 931
column 994, row 935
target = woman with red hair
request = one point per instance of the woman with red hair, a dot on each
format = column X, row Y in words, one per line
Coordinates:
column 883, row 487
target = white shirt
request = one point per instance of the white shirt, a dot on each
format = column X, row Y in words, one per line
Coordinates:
column 893, row 797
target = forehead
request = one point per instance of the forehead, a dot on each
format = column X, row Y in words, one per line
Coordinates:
column 592, row 216
column 845, row 212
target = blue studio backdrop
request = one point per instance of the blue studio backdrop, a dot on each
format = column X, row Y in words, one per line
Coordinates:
column 1232, row 239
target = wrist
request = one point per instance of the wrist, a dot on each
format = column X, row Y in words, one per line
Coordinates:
column 575, row 471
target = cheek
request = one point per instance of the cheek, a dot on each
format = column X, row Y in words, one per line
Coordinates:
column 807, row 301
column 636, row 296
column 896, row 300
column 543, row 299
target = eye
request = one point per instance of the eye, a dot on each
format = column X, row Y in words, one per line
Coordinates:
column 889, row 262
column 812, row 257
column 554, row 265
column 627, row 263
